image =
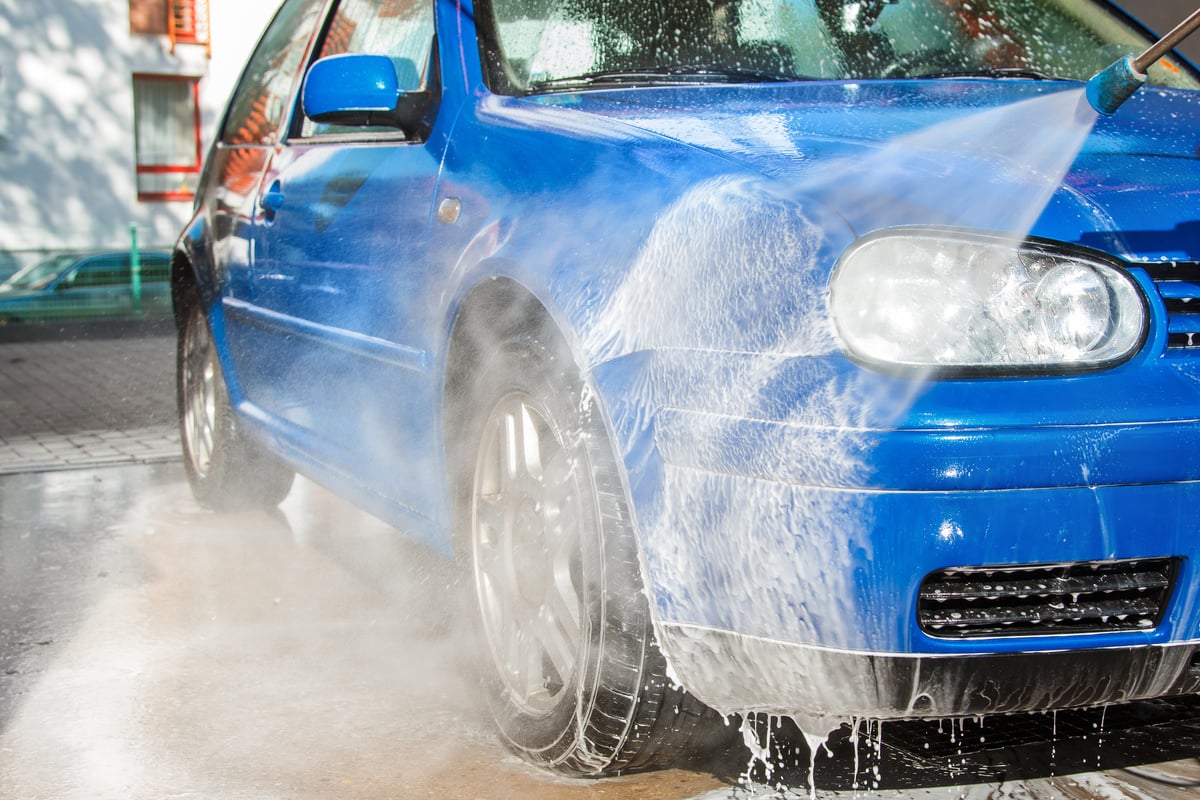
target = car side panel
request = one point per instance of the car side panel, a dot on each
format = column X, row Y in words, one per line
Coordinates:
column 334, row 342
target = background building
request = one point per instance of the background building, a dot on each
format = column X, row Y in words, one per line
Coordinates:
column 106, row 108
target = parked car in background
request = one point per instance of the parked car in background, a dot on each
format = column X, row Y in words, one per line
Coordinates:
column 9, row 266
column 802, row 357
column 88, row 286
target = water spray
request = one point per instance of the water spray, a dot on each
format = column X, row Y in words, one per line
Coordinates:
column 1113, row 85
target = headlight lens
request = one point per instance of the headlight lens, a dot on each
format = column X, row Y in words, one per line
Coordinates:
column 973, row 303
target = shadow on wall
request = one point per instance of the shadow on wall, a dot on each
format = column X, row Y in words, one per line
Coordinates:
column 67, row 147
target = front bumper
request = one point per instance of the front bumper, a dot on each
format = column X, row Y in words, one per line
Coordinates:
column 806, row 605
column 736, row 673
column 842, row 569
column 799, row 599
column 789, row 510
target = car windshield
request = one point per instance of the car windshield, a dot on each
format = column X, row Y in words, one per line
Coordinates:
column 40, row 274
column 547, row 45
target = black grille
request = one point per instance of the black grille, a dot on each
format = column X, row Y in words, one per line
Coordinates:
column 1178, row 283
column 1045, row 599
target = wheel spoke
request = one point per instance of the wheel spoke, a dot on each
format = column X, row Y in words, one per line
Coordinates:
column 527, row 553
column 204, row 412
column 509, row 633
column 533, row 671
column 494, row 567
column 564, row 596
column 199, row 377
column 559, row 634
column 490, row 524
column 531, row 443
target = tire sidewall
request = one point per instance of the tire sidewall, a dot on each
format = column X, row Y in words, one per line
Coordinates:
column 240, row 475
column 204, row 483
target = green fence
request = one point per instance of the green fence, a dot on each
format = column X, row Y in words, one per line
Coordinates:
column 85, row 285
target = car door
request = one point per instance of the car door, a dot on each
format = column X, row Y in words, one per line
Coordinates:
column 95, row 288
column 248, row 136
column 343, row 218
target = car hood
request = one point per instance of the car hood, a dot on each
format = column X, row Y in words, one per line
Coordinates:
column 1012, row 155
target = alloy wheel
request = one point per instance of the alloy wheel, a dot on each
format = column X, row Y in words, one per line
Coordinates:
column 199, row 379
column 529, row 574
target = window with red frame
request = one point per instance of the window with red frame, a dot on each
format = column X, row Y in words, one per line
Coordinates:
column 166, row 117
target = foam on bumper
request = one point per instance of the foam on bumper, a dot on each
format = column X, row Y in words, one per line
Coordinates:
column 735, row 673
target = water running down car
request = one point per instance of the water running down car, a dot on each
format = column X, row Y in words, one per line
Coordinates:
column 819, row 358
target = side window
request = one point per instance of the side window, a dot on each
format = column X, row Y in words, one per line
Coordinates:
column 103, row 271
column 155, row 268
column 402, row 29
column 261, row 98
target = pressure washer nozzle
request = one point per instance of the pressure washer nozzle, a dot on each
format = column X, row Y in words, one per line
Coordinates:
column 1113, row 85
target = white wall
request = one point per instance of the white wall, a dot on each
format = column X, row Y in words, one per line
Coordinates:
column 67, row 176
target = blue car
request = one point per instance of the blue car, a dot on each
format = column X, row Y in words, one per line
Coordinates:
column 88, row 286
column 826, row 359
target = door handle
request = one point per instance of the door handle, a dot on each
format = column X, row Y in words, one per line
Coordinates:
column 271, row 201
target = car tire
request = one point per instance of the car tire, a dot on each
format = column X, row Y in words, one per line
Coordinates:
column 226, row 471
column 573, row 676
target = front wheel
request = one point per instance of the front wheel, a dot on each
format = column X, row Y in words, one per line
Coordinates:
column 226, row 471
column 573, row 676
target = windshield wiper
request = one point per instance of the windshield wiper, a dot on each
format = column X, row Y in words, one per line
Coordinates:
column 666, row 76
column 736, row 74
column 989, row 72
column 608, row 78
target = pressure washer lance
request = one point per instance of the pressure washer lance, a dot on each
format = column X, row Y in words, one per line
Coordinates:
column 1113, row 85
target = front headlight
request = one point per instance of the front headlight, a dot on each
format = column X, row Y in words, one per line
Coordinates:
column 964, row 303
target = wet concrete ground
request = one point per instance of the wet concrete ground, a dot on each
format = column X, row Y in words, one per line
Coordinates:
column 149, row 649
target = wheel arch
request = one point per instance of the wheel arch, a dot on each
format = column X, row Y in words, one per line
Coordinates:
column 495, row 307
column 184, row 285
column 192, row 272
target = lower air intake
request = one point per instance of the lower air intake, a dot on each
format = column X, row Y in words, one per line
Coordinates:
column 1045, row 599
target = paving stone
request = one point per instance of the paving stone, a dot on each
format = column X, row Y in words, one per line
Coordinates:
column 87, row 400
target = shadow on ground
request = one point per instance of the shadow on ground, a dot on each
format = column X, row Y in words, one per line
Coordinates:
column 992, row 750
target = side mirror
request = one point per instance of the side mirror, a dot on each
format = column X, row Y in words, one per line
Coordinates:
column 364, row 90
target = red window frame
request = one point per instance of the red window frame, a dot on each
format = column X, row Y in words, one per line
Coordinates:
column 181, row 21
column 188, row 22
column 172, row 169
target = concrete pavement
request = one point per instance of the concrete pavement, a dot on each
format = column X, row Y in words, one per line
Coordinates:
column 86, row 396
